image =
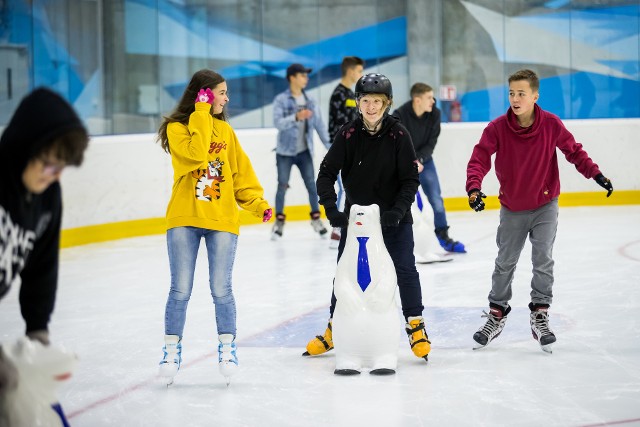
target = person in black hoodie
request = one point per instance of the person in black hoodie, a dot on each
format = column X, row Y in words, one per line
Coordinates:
column 422, row 119
column 43, row 137
column 375, row 155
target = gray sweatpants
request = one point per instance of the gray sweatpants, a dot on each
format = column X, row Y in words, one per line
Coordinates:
column 540, row 225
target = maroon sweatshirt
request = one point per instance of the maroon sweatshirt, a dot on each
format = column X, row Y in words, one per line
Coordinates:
column 526, row 159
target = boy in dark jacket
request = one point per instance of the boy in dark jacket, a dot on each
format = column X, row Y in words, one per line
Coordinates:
column 422, row 119
column 524, row 141
column 375, row 156
column 342, row 110
column 43, row 137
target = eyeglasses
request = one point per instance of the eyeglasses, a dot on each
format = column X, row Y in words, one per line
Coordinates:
column 51, row 167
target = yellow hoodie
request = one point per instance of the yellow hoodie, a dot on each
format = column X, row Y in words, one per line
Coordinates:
column 212, row 175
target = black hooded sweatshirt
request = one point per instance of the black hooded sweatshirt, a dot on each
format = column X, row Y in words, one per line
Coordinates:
column 376, row 169
column 424, row 130
column 30, row 223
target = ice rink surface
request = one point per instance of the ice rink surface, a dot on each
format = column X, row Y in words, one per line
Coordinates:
column 110, row 311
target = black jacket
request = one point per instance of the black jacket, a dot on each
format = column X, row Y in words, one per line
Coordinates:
column 342, row 109
column 30, row 223
column 424, row 130
column 378, row 168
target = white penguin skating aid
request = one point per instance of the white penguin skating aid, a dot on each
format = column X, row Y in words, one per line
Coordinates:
column 366, row 321
column 424, row 239
column 41, row 370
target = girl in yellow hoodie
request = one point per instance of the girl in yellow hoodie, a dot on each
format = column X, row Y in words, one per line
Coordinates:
column 212, row 175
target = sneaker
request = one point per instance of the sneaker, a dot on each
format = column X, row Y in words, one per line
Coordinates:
column 227, row 359
column 496, row 318
column 321, row 343
column 539, row 320
column 334, row 242
column 172, row 358
column 317, row 224
column 447, row 243
column 418, row 338
column 278, row 227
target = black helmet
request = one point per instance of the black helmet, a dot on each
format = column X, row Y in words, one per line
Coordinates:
column 374, row 83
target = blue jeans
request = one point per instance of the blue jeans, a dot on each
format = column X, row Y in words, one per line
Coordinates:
column 304, row 162
column 183, row 244
column 431, row 187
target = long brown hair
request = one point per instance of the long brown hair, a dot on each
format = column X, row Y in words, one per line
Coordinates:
column 201, row 79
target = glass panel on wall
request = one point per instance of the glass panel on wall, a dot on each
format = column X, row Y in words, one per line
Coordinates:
column 16, row 47
column 355, row 28
column 290, row 35
column 585, row 53
column 238, row 52
column 539, row 39
column 473, row 53
column 124, row 63
column 605, row 60
column 53, row 44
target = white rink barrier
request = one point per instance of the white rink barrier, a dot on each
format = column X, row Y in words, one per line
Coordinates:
column 129, row 177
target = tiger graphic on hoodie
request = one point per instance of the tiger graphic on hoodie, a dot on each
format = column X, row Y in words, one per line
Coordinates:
column 208, row 180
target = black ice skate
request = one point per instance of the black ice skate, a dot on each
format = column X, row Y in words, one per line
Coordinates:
column 539, row 320
column 496, row 319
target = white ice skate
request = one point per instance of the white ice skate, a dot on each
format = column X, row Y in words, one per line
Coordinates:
column 170, row 363
column 227, row 359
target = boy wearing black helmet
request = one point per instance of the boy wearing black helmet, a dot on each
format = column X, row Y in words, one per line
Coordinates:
column 375, row 155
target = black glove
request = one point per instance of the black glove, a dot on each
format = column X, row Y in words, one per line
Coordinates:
column 475, row 199
column 390, row 218
column 336, row 218
column 604, row 183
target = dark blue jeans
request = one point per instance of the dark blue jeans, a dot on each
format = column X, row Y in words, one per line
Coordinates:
column 431, row 187
column 399, row 243
column 304, row 162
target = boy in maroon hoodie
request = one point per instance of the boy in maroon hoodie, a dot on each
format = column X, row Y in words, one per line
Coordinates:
column 524, row 141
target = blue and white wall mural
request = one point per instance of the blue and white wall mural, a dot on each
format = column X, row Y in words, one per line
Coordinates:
column 144, row 51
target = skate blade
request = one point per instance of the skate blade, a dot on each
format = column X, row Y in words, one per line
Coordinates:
column 479, row 346
column 166, row 381
column 434, row 261
column 547, row 348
